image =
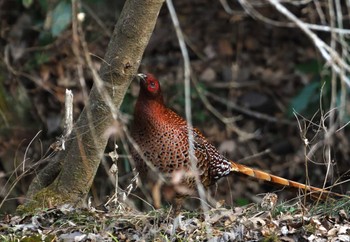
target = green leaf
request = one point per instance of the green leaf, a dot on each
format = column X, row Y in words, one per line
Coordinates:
column 45, row 38
column 41, row 58
column 346, row 118
column 242, row 201
column 307, row 96
column 44, row 5
column 310, row 67
column 27, row 3
column 61, row 18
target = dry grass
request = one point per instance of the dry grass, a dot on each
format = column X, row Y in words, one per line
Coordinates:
column 286, row 222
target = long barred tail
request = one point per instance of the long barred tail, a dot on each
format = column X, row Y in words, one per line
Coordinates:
column 315, row 191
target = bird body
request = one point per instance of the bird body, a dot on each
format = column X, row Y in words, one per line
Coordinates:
column 162, row 136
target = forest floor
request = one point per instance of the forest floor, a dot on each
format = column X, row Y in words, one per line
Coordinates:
column 263, row 222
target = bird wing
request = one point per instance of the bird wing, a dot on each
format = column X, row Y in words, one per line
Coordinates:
column 210, row 163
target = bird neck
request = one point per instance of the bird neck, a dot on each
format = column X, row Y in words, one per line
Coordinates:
column 148, row 109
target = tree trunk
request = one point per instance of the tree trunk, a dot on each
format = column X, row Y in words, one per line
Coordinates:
column 68, row 178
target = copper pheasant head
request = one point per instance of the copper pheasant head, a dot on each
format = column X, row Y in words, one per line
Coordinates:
column 150, row 88
column 150, row 104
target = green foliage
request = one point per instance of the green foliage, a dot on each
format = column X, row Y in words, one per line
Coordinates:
column 128, row 104
column 38, row 59
column 285, row 209
column 307, row 97
column 45, row 38
column 113, row 237
column 242, row 201
column 310, row 67
column 41, row 58
column 271, row 238
column 39, row 238
column 310, row 228
column 44, row 4
column 61, row 17
column 332, row 208
column 14, row 108
column 307, row 101
column 27, row 3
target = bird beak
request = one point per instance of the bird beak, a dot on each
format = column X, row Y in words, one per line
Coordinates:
column 142, row 76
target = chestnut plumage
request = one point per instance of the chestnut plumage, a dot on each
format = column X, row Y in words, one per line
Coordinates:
column 162, row 136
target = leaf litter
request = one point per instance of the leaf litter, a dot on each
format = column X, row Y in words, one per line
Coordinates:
column 254, row 222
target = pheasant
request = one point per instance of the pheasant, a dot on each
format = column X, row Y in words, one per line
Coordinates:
column 162, row 138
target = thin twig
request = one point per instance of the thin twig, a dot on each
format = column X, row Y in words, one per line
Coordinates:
column 330, row 55
column 254, row 13
column 99, row 22
column 187, row 75
column 228, row 121
column 248, row 112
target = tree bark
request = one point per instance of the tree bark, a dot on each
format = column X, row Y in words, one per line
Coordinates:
column 69, row 177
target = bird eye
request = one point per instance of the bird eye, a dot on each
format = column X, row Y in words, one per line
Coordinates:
column 152, row 85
